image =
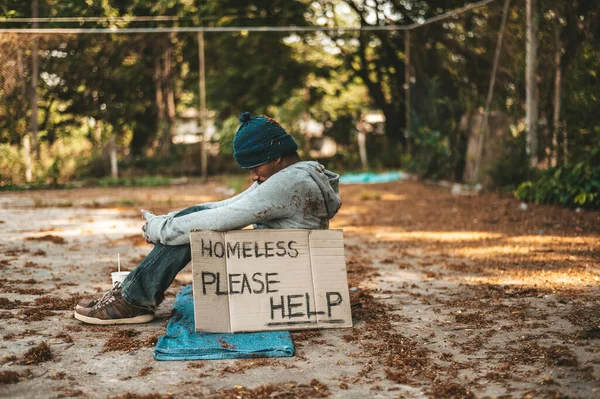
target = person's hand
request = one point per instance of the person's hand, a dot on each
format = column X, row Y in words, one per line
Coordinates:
column 144, row 234
column 143, row 211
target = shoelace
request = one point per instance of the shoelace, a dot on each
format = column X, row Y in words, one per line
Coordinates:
column 109, row 297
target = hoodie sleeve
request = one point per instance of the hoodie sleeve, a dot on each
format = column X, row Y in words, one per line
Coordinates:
column 269, row 200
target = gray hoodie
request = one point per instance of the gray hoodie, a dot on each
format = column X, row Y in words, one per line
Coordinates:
column 302, row 196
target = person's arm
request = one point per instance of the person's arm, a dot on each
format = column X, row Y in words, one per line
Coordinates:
column 265, row 202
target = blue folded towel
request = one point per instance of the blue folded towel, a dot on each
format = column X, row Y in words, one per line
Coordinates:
column 182, row 342
column 369, row 177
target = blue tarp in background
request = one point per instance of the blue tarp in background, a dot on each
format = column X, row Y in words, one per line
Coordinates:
column 370, row 177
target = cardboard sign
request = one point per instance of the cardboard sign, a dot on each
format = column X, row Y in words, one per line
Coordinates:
column 260, row 280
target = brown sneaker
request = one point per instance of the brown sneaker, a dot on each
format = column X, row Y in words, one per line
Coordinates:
column 86, row 303
column 112, row 309
column 90, row 303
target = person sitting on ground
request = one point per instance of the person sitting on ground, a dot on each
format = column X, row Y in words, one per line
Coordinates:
column 287, row 193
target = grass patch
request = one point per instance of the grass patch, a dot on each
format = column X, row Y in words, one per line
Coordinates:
column 146, row 181
column 40, row 203
column 127, row 202
column 370, row 196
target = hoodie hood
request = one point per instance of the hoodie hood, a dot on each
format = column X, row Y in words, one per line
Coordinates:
column 327, row 181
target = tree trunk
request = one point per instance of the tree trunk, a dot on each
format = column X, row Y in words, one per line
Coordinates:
column 160, row 102
column 407, row 105
column 557, row 152
column 34, row 83
column 565, row 142
column 114, row 170
column 531, row 83
column 394, row 131
column 202, row 114
column 26, row 139
column 362, row 150
column 169, row 97
column 98, row 137
column 27, row 158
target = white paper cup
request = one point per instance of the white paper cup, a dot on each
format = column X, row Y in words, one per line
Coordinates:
column 118, row 277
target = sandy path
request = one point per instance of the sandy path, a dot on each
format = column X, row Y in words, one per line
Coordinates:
column 452, row 297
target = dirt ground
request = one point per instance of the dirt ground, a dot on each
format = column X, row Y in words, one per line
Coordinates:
column 452, row 297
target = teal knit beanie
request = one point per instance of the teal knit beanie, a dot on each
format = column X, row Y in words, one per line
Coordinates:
column 259, row 140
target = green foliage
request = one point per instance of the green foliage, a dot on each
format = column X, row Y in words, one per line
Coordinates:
column 570, row 185
column 431, row 156
column 54, row 170
column 112, row 83
column 382, row 152
column 145, row 181
column 226, row 135
column 225, row 163
column 56, row 165
column 370, row 195
column 151, row 165
column 11, row 165
column 512, row 167
column 93, row 166
column 582, row 95
column 93, row 86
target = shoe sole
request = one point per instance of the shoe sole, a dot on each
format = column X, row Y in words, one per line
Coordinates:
column 133, row 320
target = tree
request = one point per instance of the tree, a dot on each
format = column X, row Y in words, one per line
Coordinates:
column 131, row 86
column 450, row 63
column 251, row 70
column 569, row 36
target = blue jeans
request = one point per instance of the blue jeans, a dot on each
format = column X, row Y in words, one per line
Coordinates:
column 146, row 284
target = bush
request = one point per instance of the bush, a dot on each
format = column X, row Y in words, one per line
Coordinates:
column 12, row 168
column 569, row 185
column 224, row 162
column 512, row 166
column 431, row 157
column 144, row 181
